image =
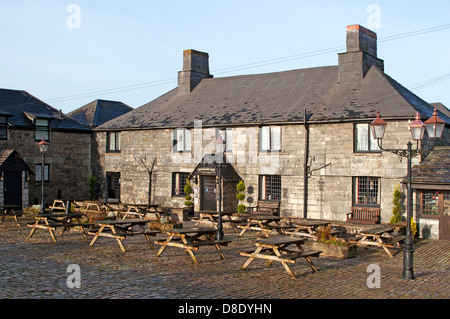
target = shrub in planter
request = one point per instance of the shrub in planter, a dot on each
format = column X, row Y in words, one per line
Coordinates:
column 332, row 246
column 188, row 198
column 241, row 208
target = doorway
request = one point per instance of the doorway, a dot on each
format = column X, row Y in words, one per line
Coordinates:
column 208, row 193
column 12, row 189
column 113, row 185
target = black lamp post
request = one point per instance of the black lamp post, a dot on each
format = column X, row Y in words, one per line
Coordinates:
column 435, row 127
column 219, row 146
column 43, row 145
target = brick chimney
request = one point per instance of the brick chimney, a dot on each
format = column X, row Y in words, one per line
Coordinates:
column 195, row 68
column 360, row 56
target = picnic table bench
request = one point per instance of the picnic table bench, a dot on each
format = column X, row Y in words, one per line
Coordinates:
column 306, row 228
column 191, row 240
column 51, row 221
column 119, row 229
column 382, row 237
column 276, row 249
column 140, row 210
column 11, row 210
column 212, row 216
column 263, row 224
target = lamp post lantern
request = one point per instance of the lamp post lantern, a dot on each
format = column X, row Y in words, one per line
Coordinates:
column 434, row 127
column 219, row 146
column 42, row 145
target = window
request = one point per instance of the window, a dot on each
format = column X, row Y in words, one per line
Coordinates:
column 434, row 203
column 227, row 136
column 364, row 141
column 179, row 180
column 3, row 127
column 181, row 140
column 270, row 138
column 42, row 129
column 113, row 141
column 38, row 177
column 366, row 191
column 270, row 187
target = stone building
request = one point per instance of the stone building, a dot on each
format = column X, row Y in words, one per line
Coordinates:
column 300, row 137
column 24, row 121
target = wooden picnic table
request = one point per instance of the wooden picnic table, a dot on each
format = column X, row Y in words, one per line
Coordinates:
column 213, row 216
column 276, row 249
column 11, row 210
column 306, row 228
column 119, row 229
column 262, row 224
column 51, row 221
column 191, row 240
column 382, row 237
column 140, row 210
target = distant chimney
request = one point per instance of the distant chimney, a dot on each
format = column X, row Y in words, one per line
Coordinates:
column 195, row 68
column 360, row 56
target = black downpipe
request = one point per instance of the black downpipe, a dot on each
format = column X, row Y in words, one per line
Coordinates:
column 305, row 167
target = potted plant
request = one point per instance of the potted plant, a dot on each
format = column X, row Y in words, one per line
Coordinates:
column 332, row 246
column 188, row 203
column 241, row 208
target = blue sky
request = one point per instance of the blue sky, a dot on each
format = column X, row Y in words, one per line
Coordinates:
column 120, row 50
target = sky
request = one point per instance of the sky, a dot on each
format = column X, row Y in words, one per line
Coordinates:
column 69, row 53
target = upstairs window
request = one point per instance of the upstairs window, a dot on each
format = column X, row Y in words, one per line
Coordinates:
column 113, row 142
column 42, row 129
column 227, row 136
column 270, row 138
column 364, row 141
column 181, row 140
column 3, row 127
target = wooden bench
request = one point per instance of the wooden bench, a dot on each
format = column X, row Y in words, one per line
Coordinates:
column 267, row 208
column 364, row 215
column 11, row 210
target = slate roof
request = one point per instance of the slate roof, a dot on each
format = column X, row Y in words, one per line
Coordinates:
column 98, row 112
column 21, row 107
column 10, row 160
column 279, row 97
column 435, row 169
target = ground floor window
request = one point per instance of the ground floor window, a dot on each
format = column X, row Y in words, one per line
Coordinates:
column 270, row 187
column 38, row 177
column 366, row 191
column 434, row 202
column 179, row 181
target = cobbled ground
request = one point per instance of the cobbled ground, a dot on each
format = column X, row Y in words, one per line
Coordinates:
column 36, row 268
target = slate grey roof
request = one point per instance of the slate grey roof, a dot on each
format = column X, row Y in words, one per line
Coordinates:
column 435, row 169
column 10, row 160
column 21, row 106
column 98, row 112
column 278, row 97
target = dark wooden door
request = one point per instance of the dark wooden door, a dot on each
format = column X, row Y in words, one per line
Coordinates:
column 208, row 193
column 13, row 188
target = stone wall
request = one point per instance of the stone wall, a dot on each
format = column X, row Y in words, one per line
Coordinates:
column 333, row 164
column 69, row 156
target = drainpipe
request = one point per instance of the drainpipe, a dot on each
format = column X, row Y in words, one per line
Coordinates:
column 305, row 167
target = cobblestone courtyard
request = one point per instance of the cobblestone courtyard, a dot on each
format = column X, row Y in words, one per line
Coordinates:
column 37, row 268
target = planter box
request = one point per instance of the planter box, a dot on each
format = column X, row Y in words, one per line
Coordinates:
column 331, row 250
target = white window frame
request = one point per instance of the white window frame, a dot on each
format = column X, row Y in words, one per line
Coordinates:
column 270, row 138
